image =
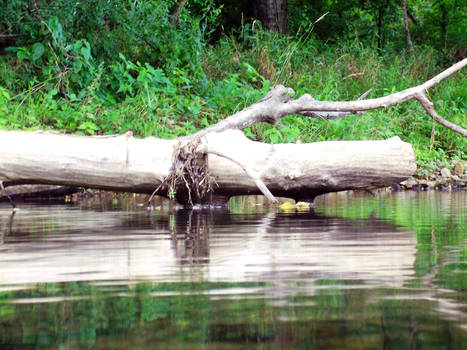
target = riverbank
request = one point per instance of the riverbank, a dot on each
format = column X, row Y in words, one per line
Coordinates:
column 453, row 178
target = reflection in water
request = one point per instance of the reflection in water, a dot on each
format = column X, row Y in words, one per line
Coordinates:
column 190, row 237
column 5, row 228
column 358, row 273
column 57, row 244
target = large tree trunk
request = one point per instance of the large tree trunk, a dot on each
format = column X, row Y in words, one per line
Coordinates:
column 273, row 14
column 124, row 163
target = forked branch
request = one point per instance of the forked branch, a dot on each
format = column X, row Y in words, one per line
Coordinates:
column 279, row 102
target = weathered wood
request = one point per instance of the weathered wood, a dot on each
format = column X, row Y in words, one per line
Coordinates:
column 303, row 171
column 236, row 165
column 280, row 102
column 108, row 162
column 124, row 163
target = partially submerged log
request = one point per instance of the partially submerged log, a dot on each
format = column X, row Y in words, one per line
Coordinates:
column 124, row 163
column 218, row 162
column 33, row 192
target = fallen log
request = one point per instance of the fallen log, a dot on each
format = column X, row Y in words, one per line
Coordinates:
column 219, row 162
column 124, row 163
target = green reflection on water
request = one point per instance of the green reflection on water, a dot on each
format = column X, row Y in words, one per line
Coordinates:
column 428, row 312
column 122, row 317
column 438, row 219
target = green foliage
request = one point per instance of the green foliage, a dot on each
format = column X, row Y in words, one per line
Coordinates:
column 437, row 23
column 99, row 67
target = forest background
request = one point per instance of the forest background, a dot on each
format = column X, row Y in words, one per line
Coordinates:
column 169, row 68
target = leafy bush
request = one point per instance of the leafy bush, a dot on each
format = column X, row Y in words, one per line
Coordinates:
column 103, row 67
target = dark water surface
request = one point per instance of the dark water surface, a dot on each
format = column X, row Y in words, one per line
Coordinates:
column 357, row 273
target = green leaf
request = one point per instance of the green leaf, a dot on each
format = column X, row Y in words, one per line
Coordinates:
column 57, row 30
column 88, row 127
column 77, row 65
column 22, row 53
column 4, row 94
column 37, row 51
column 86, row 52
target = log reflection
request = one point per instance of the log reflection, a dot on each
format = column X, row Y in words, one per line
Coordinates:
column 64, row 243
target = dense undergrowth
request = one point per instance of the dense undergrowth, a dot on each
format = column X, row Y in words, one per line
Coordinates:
column 59, row 83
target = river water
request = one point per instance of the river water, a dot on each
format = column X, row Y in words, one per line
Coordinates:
column 357, row 272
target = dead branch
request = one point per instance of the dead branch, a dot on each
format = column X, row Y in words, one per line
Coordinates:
column 180, row 167
column 334, row 115
column 7, row 194
column 279, row 102
column 248, row 170
column 429, row 108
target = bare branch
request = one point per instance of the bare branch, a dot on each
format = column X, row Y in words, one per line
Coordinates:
column 428, row 106
column 279, row 102
column 7, row 194
column 249, row 171
column 334, row 115
column 306, row 102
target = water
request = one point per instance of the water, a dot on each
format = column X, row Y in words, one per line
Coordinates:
column 357, row 273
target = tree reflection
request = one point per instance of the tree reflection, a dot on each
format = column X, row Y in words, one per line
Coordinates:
column 217, row 279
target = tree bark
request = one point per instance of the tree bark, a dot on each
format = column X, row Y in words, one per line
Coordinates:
column 124, row 163
column 406, row 25
column 273, row 14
